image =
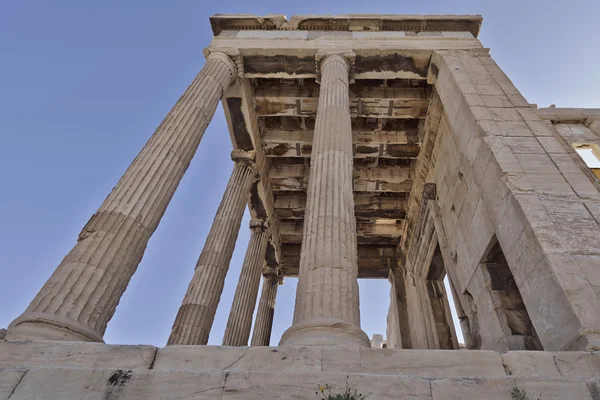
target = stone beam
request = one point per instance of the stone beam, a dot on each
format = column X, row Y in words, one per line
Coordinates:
column 374, row 261
column 290, row 205
column 374, row 103
column 350, row 22
column 242, row 121
column 388, row 179
column 380, row 232
column 383, row 144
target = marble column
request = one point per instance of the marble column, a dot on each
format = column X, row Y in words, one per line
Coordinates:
column 239, row 323
column 263, row 325
column 195, row 316
column 82, row 294
column 327, row 304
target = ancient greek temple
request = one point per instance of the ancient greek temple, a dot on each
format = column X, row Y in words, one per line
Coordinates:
column 364, row 146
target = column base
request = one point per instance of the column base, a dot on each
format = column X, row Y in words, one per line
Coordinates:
column 39, row 326
column 325, row 332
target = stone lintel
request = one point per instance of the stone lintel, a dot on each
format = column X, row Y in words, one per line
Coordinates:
column 348, row 22
column 239, row 108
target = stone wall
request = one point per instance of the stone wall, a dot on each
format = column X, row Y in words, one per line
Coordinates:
column 70, row 370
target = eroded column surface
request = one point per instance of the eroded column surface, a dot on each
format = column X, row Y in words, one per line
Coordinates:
column 197, row 312
column 261, row 335
column 239, row 323
column 82, row 294
column 327, row 305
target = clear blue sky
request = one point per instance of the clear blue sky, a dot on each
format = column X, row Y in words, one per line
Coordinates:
column 84, row 84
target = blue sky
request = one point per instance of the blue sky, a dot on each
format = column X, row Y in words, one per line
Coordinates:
column 84, row 84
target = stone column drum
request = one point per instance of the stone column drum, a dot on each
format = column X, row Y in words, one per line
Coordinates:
column 197, row 312
column 327, row 304
column 261, row 335
column 239, row 323
column 82, row 294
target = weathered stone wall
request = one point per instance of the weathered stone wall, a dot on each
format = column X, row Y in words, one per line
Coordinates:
column 70, row 370
column 500, row 174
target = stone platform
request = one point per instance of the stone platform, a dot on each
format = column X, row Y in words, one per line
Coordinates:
column 73, row 370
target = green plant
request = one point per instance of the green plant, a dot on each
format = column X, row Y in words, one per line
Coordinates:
column 324, row 393
column 519, row 394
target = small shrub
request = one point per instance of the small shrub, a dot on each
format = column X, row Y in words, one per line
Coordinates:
column 324, row 393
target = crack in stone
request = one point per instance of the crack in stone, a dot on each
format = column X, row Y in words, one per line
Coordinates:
column 233, row 363
column 17, row 385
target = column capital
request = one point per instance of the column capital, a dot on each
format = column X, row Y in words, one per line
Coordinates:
column 231, row 56
column 259, row 225
column 244, row 157
column 273, row 273
column 323, row 57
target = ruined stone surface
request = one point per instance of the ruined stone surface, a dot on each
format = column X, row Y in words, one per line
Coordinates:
column 195, row 316
column 75, row 355
column 327, row 306
column 82, row 294
column 237, row 330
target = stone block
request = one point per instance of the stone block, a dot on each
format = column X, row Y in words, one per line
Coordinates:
column 9, row 379
column 499, row 100
column 551, row 184
column 280, row 359
column 528, row 113
column 432, row 363
column 75, row 354
column 505, row 114
column 577, row 228
column 537, row 163
column 582, row 185
column 551, row 145
column 105, row 384
column 197, row 358
column 549, row 307
column 575, row 364
column 503, row 389
column 340, row 359
column 539, row 128
column 524, row 145
column 261, row 386
column 564, row 162
column 511, row 129
column 588, row 263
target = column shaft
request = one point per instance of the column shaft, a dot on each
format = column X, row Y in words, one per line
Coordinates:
column 327, row 304
column 239, row 323
column 197, row 312
column 82, row 294
column 261, row 336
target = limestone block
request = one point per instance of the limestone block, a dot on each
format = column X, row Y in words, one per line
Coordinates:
column 9, row 379
column 280, row 359
column 528, row 113
column 588, row 263
column 537, row 164
column 582, row 185
column 105, row 384
column 572, row 364
column 261, row 386
column 524, row 145
column 75, row 355
column 549, row 307
column 432, row 363
column 552, row 145
column 197, row 358
column 340, row 359
column 499, row 100
column 514, row 129
column 552, row 184
column 578, row 229
column 500, row 389
column 505, row 114
column 564, row 162
column 539, row 128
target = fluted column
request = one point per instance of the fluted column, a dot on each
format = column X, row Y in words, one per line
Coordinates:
column 239, row 323
column 82, row 294
column 327, row 305
column 263, row 325
column 195, row 316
